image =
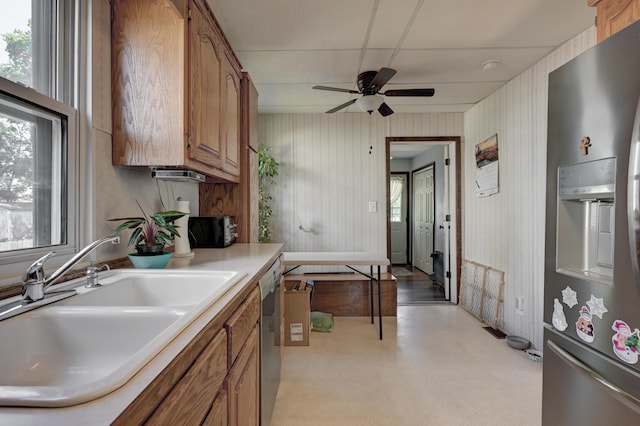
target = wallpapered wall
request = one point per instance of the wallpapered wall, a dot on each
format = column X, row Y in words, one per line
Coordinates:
column 506, row 230
column 327, row 178
column 331, row 167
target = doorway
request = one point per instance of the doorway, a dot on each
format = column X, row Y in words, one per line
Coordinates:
column 438, row 262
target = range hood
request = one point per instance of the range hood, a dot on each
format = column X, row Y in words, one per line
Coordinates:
column 178, row 175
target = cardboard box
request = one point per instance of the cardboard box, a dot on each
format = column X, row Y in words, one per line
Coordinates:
column 297, row 313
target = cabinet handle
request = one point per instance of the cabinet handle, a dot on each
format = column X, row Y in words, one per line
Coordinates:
column 619, row 394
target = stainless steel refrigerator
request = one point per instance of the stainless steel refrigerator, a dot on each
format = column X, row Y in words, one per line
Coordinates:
column 591, row 370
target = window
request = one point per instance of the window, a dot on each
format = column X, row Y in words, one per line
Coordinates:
column 396, row 202
column 37, row 127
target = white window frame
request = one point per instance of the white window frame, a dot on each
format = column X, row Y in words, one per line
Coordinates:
column 63, row 102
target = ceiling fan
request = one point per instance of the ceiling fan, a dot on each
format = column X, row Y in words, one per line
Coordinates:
column 369, row 85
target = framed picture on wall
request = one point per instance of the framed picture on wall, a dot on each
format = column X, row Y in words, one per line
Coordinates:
column 487, row 167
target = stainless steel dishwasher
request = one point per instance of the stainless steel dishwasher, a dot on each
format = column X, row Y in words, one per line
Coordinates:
column 270, row 349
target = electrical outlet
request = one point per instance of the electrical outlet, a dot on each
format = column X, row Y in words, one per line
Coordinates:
column 373, row 206
column 520, row 304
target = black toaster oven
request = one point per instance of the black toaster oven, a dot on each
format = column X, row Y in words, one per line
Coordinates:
column 211, row 231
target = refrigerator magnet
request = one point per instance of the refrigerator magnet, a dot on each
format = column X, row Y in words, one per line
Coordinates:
column 558, row 318
column 596, row 306
column 569, row 297
column 626, row 344
column 584, row 326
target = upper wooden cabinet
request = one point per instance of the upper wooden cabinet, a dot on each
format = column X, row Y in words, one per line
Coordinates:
column 176, row 88
column 614, row 15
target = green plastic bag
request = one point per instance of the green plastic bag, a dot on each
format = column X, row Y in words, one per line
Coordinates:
column 321, row 322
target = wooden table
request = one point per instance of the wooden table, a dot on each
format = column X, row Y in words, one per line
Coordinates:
column 292, row 260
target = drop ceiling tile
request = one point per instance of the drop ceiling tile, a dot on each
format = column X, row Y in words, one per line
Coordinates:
column 498, row 23
column 323, row 67
column 300, row 94
column 463, row 65
column 374, row 59
column 292, row 25
column 389, row 24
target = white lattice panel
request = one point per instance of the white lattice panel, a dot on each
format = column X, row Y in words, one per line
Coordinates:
column 492, row 297
column 481, row 292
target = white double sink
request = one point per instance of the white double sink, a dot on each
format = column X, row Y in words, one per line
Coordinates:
column 90, row 344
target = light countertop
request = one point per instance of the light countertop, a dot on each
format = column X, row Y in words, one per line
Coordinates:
column 252, row 259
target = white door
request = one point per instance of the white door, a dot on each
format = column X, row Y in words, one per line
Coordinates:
column 446, row 225
column 423, row 218
column 398, row 203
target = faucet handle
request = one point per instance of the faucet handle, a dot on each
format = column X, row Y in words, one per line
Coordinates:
column 35, row 272
column 92, row 275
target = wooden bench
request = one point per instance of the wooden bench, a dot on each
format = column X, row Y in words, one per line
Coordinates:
column 347, row 294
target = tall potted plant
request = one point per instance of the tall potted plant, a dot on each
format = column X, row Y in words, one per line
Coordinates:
column 268, row 168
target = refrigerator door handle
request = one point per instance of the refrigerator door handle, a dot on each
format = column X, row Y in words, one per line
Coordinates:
column 613, row 390
column 633, row 196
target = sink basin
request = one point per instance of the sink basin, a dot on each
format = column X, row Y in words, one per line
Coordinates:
column 133, row 287
column 87, row 346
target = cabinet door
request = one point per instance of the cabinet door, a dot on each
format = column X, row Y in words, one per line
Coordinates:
column 189, row 401
column 218, row 415
column 148, row 86
column 204, row 109
column 614, row 15
column 240, row 325
column 243, row 384
column 231, row 123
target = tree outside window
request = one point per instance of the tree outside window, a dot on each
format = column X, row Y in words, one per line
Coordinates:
column 16, row 150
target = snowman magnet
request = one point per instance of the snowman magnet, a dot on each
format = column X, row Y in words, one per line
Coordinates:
column 558, row 319
column 626, row 344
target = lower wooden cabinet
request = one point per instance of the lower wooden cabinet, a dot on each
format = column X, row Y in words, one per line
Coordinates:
column 243, row 384
column 218, row 414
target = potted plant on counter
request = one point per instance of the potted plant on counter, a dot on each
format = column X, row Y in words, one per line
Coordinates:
column 150, row 234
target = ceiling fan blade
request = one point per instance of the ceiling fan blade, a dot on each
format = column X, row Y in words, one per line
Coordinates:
column 383, row 76
column 344, row 105
column 385, row 110
column 409, row 92
column 335, row 89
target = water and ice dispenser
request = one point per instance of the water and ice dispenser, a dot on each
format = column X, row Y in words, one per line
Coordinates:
column 586, row 220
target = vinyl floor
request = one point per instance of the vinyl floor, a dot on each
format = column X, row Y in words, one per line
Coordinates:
column 415, row 287
column 435, row 366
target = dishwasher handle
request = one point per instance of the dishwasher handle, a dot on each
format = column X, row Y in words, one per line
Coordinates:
column 619, row 394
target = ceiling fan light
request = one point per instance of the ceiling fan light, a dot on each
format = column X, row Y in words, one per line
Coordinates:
column 369, row 103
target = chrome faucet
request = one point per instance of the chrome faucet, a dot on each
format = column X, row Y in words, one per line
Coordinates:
column 34, row 280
